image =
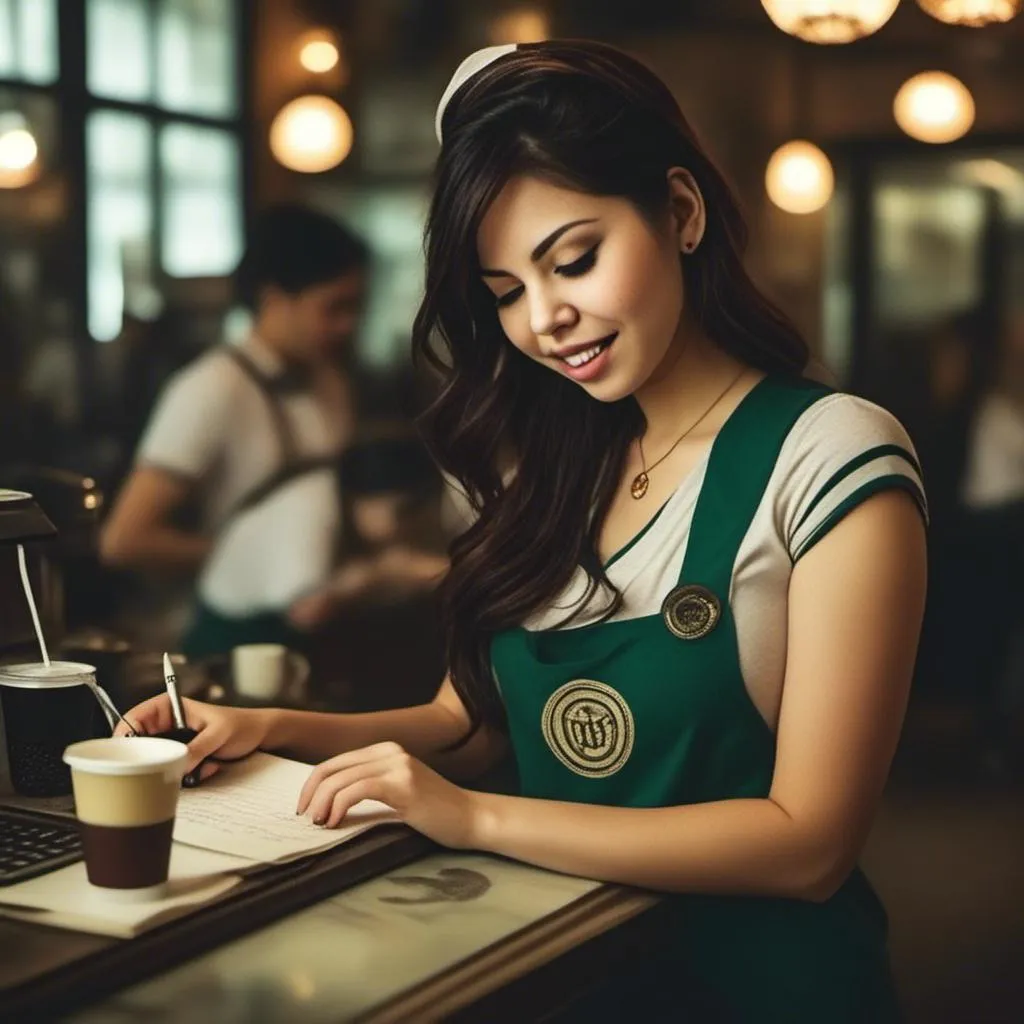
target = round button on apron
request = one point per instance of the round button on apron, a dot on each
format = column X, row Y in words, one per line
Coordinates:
column 691, row 611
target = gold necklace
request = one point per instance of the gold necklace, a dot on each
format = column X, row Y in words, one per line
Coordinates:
column 638, row 488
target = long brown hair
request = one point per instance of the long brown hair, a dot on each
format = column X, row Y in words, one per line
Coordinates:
column 584, row 116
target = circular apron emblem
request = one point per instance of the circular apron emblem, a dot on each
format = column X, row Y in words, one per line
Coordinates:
column 691, row 611
column 588, row 727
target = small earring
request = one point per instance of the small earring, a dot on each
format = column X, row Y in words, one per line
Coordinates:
column 687, row 246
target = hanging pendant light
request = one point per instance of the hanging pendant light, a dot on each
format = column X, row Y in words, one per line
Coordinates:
column 319, row 53
column 934, row 107
column 799, row 177
column 19, row 152
column 973, row 13
column 311, row 134
column 830, row 21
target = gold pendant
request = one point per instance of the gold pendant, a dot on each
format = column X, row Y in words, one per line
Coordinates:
column 638, row 488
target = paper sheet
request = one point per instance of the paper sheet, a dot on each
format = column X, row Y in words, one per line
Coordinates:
column 248, row 809
column 241, row 818
column 65, row 899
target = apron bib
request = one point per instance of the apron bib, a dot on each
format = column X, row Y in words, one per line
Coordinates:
column 653, row 712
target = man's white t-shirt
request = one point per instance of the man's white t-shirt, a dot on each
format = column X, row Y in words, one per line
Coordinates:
column 214, row 425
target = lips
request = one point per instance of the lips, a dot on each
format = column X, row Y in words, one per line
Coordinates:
column 575, row 350
column 594, row 367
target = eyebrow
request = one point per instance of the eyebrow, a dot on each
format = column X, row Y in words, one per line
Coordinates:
column 542, row 248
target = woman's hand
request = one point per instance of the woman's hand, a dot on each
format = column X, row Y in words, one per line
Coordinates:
column 224, row 733
column 423, row 799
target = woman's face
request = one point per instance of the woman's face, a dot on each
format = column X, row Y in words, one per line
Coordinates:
column 585, row 284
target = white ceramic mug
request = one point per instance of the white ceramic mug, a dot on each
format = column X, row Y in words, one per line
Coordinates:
column 268, row 672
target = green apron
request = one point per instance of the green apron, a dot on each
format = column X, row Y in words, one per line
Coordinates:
column 630, row 713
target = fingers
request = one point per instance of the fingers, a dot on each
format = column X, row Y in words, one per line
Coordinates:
column 150, row 717
column 208, row 769
column 347, row 798
column 206, row 742
column 339, row 763
column 320, row 806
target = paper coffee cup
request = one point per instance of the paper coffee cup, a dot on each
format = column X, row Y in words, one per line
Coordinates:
column 126, row 795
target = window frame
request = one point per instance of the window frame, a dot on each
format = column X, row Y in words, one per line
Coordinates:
column 75, row 104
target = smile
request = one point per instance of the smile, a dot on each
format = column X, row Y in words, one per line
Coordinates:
column 582, row 358
column 590, row 362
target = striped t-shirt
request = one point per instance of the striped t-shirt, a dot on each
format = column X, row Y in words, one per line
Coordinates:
column 840, row 451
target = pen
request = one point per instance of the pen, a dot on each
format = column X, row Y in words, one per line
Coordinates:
column 178, row 714
column 171, row 682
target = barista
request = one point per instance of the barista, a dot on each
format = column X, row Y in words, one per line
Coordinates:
column 251, row 435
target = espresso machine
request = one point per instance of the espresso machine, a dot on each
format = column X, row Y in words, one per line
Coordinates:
column 64, row 568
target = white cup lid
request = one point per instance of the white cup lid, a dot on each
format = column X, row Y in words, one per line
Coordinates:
column 34, row 675
column 126, row 755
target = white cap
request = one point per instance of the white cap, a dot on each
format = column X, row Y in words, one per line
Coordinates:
column 475, row 62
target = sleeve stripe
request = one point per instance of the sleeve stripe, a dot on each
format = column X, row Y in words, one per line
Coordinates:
column 894, row 481
column 878, row 452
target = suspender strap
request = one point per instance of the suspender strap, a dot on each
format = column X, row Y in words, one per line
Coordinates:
column 288, row 472
column 292, row 464
column 742, row 460
column 285, row 438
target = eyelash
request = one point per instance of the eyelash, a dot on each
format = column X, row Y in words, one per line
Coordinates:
column 580, row 266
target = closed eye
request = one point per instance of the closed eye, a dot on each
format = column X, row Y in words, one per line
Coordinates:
column 580, row 266
column 508, row 298
column 577, row 268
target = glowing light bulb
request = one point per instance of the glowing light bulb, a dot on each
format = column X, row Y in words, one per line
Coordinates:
column 18, row 153
column 311, row 134
column 319, row 55
column 799, row 177
column 830, row 21
column 973, row 13
column 934, row 107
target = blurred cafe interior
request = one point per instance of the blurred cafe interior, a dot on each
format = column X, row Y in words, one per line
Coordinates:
column 146, row 145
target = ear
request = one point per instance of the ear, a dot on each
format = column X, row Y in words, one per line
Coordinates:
column 689, row 217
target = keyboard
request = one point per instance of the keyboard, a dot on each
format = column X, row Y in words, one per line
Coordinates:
column 32, row 843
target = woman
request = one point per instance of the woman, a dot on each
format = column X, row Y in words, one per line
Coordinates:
column 692, row 604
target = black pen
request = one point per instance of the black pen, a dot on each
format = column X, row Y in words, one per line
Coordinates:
column 181, row 730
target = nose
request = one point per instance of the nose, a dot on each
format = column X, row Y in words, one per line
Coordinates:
column 549, row 314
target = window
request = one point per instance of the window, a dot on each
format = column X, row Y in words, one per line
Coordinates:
column 201, row 203
column 928, row 248
column 118, row 50
column 120, row 216
column 196, row 57
column 393, row 216
column 28, row 41
column 124, row 200
column 170, row 202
